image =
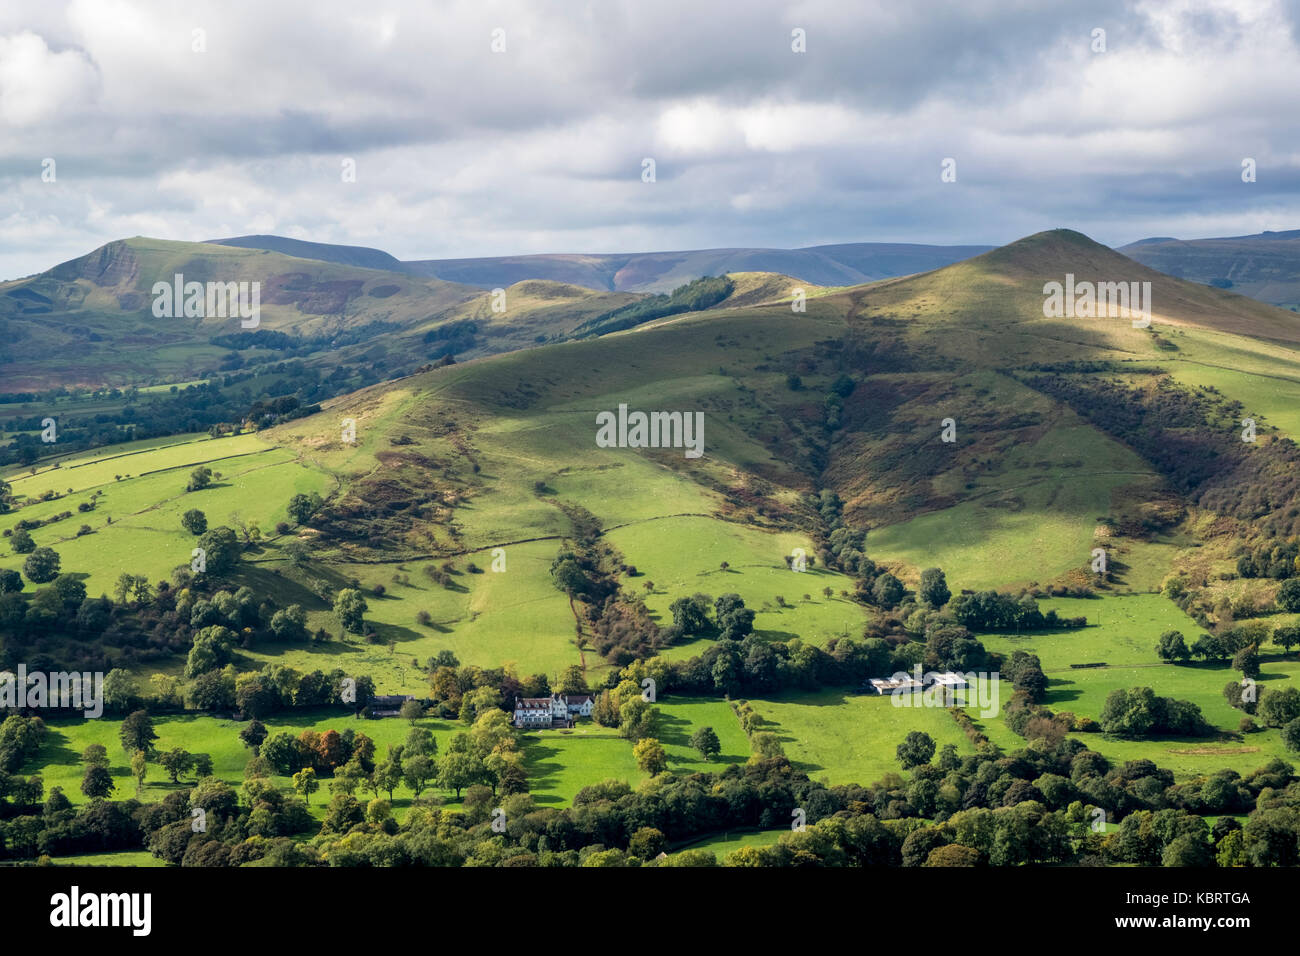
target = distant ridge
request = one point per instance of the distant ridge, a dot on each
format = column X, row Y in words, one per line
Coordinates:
column 1264, row 266
column 360, row 256
column 830, row 265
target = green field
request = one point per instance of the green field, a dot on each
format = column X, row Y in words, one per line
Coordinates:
column 724, row 844
column 59, row 759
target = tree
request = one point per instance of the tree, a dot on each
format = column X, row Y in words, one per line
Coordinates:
column 11, row 582
column 194, row 521
column 282, row 753
column 388, row 775
column 650, row 755
column 572, row 681
column 1188, row 849
column 221, row 549
column 290, row 623
column 176, row 762
column 1172, row 647
column 1291, row 735
column 411, row 711
column 456, row 771
column 933, row 589
column 21, row 542
column 139, row 767
column 705, row 740
column 42, row 565
column 351, row 607
column 887, row 590
column 137, row 733
column 691, row 614
column 1277, row 708
column 916, row 749
column 302, row 507
column 1285, row 637
column 1247, row 661
column 953, row 854
column 95, row 755
column 605, row 711
column 213, row 648
column 1288, row 595
column 254, row 734
column 97, row 782
column 119, row 689
column 304, row 781
column 735, row 621
column 646, row 843
column 638, row 718
column 200, row 478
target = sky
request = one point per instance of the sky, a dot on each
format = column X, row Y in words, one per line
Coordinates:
column 485, row 128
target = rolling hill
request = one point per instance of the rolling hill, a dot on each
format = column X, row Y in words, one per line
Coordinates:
column 831, row 265
column 1264, row 266
column 450, row 496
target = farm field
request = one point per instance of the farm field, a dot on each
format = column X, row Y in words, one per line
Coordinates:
column 490, row 620
column 135, row 523
column 683, row 556
column 724, row 844
column 838, row 737
column 128, row 858
column 561, row 763
column 59, row 759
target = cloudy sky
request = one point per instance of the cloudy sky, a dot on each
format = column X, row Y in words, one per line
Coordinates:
column 193, row 120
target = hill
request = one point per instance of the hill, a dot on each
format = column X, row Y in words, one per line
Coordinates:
column 361, row 256
column 833, row 265
column 90, row 321
column 1264, row 266
column 485, row 515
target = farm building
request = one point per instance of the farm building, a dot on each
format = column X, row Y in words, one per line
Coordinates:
column 388, row 705
column 890, row 685
column 948, row 680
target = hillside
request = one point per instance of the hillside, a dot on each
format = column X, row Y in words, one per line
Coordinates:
column 835, row 265
column 479, row 513
column 90, row 322
column 1264, row 266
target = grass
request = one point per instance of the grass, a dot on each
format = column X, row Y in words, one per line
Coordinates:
column 59, row 759
column 561, row 763
column 839, row 737
column 682, row 556
column 724, row 844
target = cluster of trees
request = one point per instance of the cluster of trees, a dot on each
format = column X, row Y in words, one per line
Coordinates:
column 191, row 408
column 1139, row 712
column 1239, row 643
column 1192, row 437
column 843, row 547
column 694, row 296
column 20, row 738
column 993, row 611
column 727, row 617
column 1270, row 559
column 452, row 338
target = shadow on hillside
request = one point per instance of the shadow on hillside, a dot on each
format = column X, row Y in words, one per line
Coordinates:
column 284, row 589
column 55, row 750
column 676, row 732
column 543, row 773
